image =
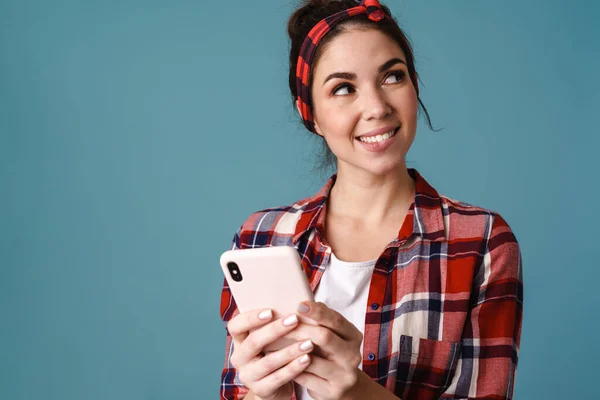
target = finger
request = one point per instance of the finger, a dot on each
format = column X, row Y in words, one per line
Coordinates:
column 325, row 316
column 283, row 375
column 240, row 325
column 258, row 339
column 324, row 376
column 330, row 343
column 313, row 383
column 324, row 369
column 277, row 359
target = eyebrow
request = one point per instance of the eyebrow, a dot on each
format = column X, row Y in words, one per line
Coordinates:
column 352, row 76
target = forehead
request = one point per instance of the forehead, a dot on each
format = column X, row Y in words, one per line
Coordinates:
column 358, row 49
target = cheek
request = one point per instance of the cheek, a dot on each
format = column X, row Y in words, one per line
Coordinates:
column 336, row 121
column 408, row 104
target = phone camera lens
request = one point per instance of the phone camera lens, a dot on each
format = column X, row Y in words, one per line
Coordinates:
column 235, row 272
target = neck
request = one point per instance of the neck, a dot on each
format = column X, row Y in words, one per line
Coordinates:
column 371, row 198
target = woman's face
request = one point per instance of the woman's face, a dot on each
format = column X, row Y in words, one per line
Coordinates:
column 361, row 90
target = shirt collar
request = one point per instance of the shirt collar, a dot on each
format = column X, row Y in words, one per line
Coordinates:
column 425, row 217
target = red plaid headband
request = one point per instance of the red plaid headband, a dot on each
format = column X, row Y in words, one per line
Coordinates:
column 309, row 47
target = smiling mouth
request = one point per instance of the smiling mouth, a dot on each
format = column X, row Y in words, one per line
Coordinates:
column 379, row 138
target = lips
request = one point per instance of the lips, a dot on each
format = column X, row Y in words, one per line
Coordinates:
column 378, row 138
column 378, row 147
column 379, row 131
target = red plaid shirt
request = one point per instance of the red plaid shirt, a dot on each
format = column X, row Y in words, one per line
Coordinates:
column 444, row 313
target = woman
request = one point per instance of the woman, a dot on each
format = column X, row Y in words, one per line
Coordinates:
column 418, row 296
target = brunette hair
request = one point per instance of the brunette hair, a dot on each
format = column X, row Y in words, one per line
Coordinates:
column 310, row 13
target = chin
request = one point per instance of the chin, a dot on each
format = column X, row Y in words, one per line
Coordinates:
column 384, row 167
column 389, row 162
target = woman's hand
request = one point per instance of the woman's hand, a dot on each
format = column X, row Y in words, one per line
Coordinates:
column 333, row 371
column 267, row 376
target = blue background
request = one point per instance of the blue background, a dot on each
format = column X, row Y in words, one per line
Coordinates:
column 136, row 136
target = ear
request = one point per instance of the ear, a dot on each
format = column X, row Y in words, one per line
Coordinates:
column 314, row 120
column 317, row 128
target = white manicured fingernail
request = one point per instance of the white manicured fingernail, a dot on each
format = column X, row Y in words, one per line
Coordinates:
column 291, row 320
column 306, row 345
column 303, row 359
column 267, row 314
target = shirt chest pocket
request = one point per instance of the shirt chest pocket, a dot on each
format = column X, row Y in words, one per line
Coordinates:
column 425, row 367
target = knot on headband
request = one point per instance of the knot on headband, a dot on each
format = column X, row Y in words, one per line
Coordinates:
column 309, row 47
column 374, row 11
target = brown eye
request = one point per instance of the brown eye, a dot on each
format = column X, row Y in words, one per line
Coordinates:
column 398, row 75
column 338, row 89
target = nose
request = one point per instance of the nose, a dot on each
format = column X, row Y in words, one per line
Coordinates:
column 375, row 105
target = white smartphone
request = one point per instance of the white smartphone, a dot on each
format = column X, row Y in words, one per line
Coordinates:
column 268, row 277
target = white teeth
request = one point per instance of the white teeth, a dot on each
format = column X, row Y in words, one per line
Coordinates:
column 378, row 138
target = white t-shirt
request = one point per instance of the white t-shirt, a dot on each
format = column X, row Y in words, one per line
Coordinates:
column 344, row 287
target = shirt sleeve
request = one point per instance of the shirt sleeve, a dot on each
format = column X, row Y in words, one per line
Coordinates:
column 491, row 337
column 231, row 387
